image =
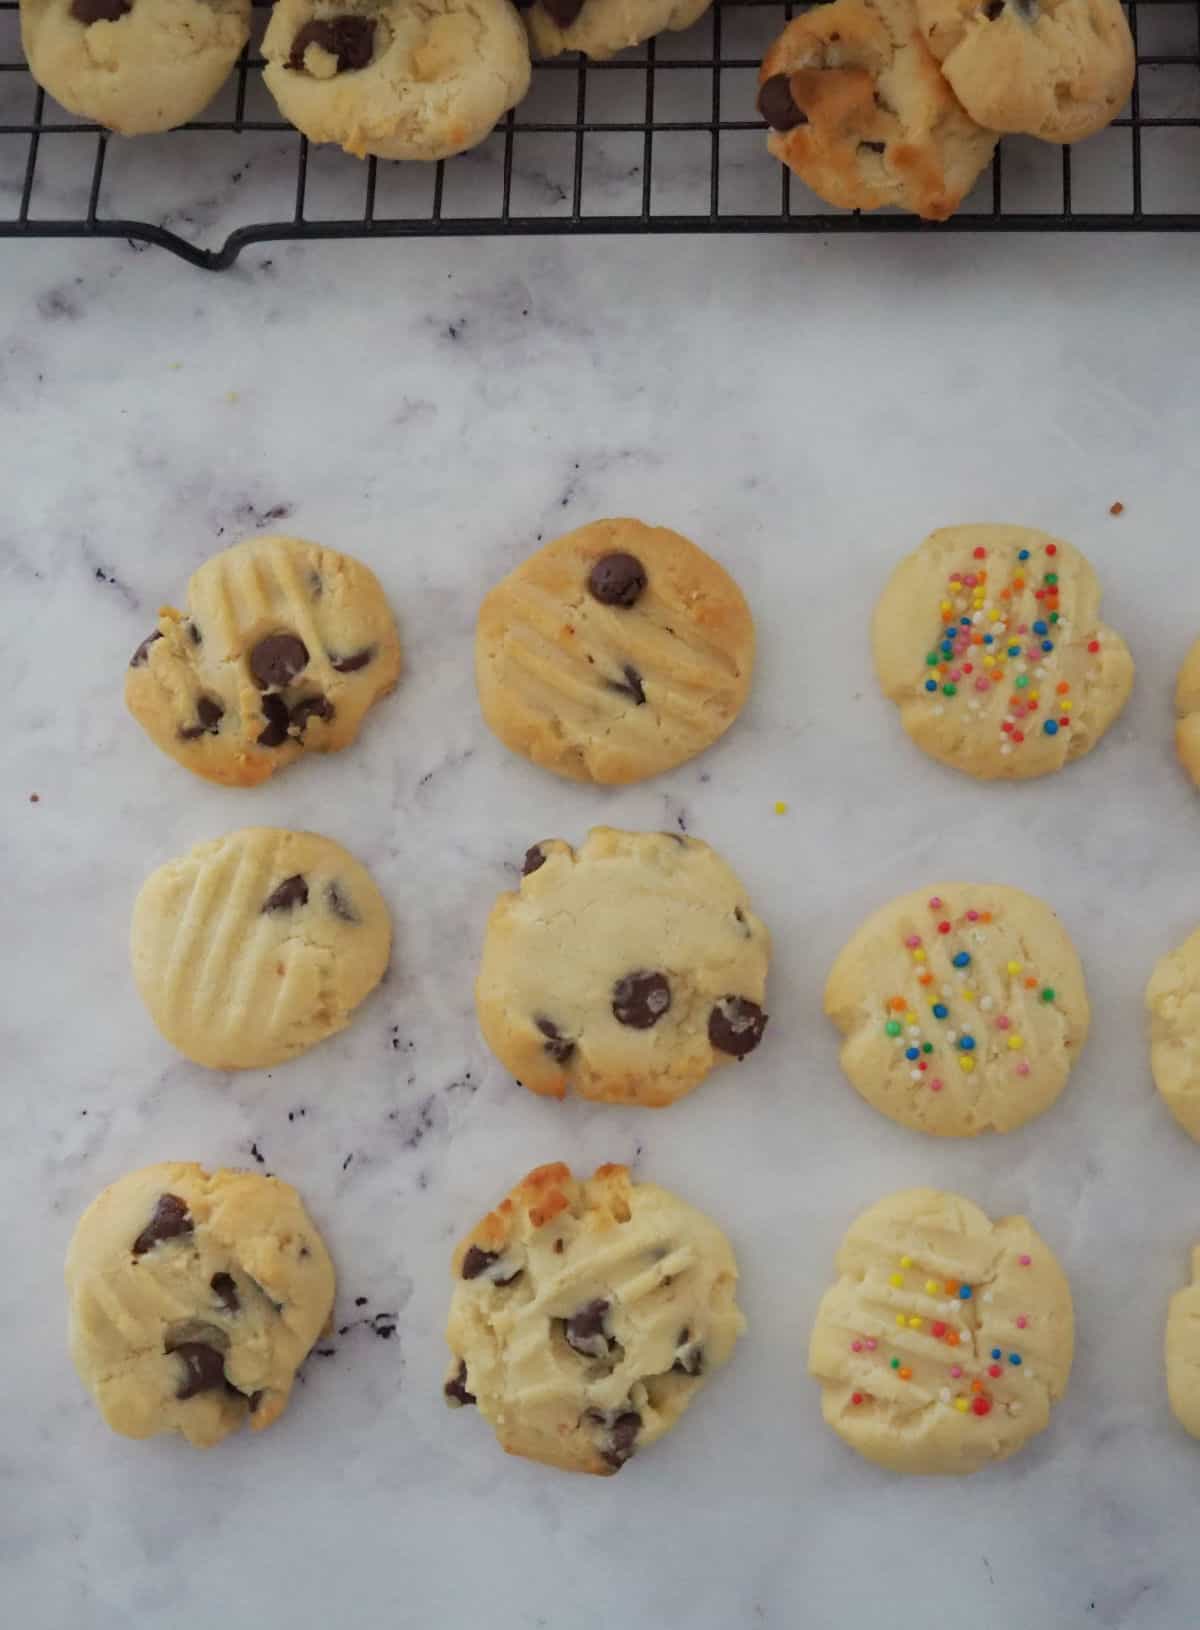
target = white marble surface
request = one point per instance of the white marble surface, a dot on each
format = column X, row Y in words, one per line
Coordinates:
column 807, row 411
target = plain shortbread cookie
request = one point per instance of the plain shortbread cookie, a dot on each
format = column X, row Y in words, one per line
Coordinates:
column 962, row 1008
column 587, row 1315
column 194, row 1299
column 1173, row 1006
column 1187, row 713
column 947, row 1337
column 1182, row 1351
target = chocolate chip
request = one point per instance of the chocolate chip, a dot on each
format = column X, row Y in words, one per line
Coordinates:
column 310, row 707
column 559, row 1247
column 255, row 1399
column 621, row 1436
column 562, row 12
column 275, row 712
column 349, row 38
column 640, row 999
column 204, row 1368
column 556, row 1044
column 585, row 1332
column 224, row 1289
column 293, row 891
column 632, row 686
column 141, row 656
column 88, row 12
column 338, row 904
column 776, row 105
column 617, row 580
column 194, row 634
column 872, row 146
column 993, row 10
column 209, row 714
column 736, row 1025
column 534, row 858
column 171, row 1218
column 277, row 659
column 476, row 1260
column 456, row 1387
column 352, row 663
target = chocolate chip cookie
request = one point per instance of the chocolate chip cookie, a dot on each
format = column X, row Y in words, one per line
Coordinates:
column 194, row 1299
column 599, row 28
column 403, row 79
column 136, row 66
column 625, row 970
column 251, row 949
column 614, row 653
column 283, row 648
column 587, row 1315
column 859, row 109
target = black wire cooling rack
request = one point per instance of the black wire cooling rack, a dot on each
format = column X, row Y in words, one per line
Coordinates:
column 664, row 139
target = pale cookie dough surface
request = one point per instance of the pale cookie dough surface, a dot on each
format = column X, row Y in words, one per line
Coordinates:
column 962, row 1008
column 1182, row 1352
column 947, row 1337
column 400, row 79
column 251, row 949
column 625, row 970
column 283, row 648
column 1187, row 713
column 1058, row 69
column 587, row 1315
column 618, row 688
column 989, row 641
column 860, row 111
column 194, row 1298
column 599, row 28
column 1173, row 1006
column 137, row 68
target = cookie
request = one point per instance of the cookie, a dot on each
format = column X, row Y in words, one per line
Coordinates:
column 599, row 28
column 1187, row 713
column 1173, row 1006
column 614, row 653
column 625, row 970
column 194, row 1299
column 283, row 648
column 947, row 1337
column 1182, row 1352
column 962, row 1009
column 1058, row 69
column 989, row 641
column 587, row 1315
column 135, row 66
column 253, row 948
column 860, row 111
column 396, row 79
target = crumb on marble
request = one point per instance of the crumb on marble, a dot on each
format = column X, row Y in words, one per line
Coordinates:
column 1116, row 509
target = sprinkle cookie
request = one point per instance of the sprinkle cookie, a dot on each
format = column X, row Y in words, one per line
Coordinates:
column 947, row 1338
column 962, row 1009
column 989, row 641
column 588, row 1315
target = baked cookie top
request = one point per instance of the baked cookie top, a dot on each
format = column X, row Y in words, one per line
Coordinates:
column 624, row 970
column 194, row 1298
column 1173, row 1007
column 989, row 641
column 614, row 653
column 587, row 1315
column 283, row 647
column 962, row 1008
column 947, row 1337
column 599, row 28
column 859, row 109
column 250, row 949
column 401, row 79
column 1187, row 713
column 1058, row 69
column 1182, row 1351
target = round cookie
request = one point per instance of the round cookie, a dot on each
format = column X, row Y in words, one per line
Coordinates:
column 1187, row 713
column 614, row 653
column 284, row 647
column 989, row 641
column 1058, row 69
column 1173, row 1005
column 946, row 1338
column 396, row 79
column 860, row 111
column 251, row 949
column 135, row 66
column 194, row 1299
column 625, row 970
column 1182, row 1352
column 962, row 1009
column 599, row 28
column 587, row 1315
